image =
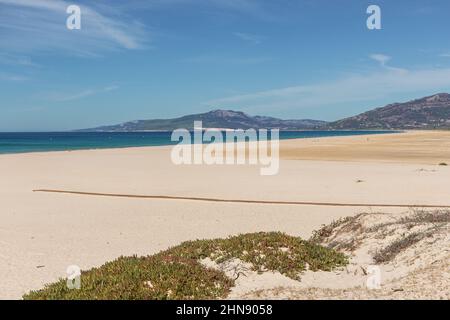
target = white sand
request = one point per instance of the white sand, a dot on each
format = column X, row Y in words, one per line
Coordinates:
column 42, row 234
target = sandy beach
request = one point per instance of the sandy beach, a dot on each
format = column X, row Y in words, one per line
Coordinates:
column 41, row 234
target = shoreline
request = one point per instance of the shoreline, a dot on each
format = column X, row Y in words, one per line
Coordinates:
column 376, row 133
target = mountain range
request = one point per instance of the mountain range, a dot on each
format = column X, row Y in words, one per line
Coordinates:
column 223, row 119
column 432, row 112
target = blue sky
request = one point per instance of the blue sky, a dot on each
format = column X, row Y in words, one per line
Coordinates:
column 165, row 58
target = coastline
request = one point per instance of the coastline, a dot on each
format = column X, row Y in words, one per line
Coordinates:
column 352, row 148
column 167, row 144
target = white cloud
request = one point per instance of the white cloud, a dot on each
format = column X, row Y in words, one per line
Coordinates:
column 252, row 8
column 12, row 77
column 16, row 60
column 251, row 38
column 381, row 58
column 58, row 97
column 222, row 59
column 28, row 25
column 351, row 88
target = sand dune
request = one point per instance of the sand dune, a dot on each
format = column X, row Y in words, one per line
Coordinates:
column 409, row 251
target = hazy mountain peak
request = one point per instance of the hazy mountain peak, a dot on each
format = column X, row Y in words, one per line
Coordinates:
column 440, row 97
column 226, row 113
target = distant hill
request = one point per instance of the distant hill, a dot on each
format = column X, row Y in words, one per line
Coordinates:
column 431, row 112
column 225, row 119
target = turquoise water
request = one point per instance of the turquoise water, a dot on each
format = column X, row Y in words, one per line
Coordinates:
column 20, row 142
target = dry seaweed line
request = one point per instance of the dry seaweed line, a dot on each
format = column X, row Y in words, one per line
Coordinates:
column 204, row 199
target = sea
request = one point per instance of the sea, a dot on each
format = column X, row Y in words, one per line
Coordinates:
column 24, row 142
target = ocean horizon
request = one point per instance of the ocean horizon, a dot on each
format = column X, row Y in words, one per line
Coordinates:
column 26, row 142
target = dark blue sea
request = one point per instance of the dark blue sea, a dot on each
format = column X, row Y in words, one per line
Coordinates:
column 20, row 142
